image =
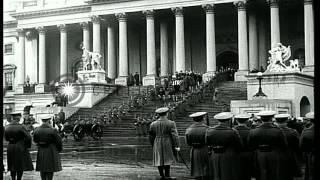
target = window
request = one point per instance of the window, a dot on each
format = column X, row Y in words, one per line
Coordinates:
column 8, row 48
column 8, row 80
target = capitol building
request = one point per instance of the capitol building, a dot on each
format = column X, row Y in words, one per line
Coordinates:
column 44, row 40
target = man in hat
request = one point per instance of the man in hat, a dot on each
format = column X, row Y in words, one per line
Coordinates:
column 307, row 145
column 49, row 145
column 245, row 156
column 18, row 156
column 225, row 143
column 165, row 141
column 292, row 136
column 195, row 137
column 270, row 144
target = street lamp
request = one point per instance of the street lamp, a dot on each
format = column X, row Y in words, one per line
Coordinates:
column 260, row 93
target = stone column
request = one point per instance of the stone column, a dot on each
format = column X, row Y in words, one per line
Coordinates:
column 63, row 51
column 123, row 50
column 21, row 61
column 210, row 42
column 150, row 79
column 86, row 35
column 164, row 49
column 42, row 55
column 242, row 41
column 96, row 38
column 275, row 23
column 112, row 71
column 180, row 46
column 308, row 37
column 253, row 43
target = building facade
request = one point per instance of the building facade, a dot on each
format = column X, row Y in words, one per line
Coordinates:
column 43, row 38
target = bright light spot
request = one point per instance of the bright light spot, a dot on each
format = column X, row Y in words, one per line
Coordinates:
column 67, row 90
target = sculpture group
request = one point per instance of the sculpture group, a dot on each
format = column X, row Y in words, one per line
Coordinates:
column 91, row 60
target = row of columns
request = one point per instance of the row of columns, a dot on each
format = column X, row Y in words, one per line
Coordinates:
column 245, row 59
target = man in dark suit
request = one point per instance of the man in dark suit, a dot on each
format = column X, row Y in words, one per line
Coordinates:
column 195, row 137
column 224, row 146
column 245, row 155
column 137, row 78
column 19, row 158
column 49, row 145
column 270, row 145
column 165, row 141
column 307, row 146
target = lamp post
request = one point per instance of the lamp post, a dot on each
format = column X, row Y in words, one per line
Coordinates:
column 260, row 93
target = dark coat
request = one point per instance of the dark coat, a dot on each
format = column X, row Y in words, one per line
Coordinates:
column 164, row 138
column 19, row 158
column 307, row 147
column 49, row 145
column 294, row 155
column 270, row 145
column 224, row 143
column 195, row 137
column 245, row 155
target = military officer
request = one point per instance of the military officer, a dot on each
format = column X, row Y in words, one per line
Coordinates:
column 224, row 144
column 245, row 156
column 270, row 145
column 307, row 146
column 18, row 156
column 49, row 145
column 195, row 137
column 292, row 137
column 165, row 141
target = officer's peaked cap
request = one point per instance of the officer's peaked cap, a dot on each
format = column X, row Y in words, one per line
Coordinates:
column 162, row 110
column 266, row 113
column 310, row 115
column 242, row 116
column 198, row 114
column 46, row 118
column 223, row 116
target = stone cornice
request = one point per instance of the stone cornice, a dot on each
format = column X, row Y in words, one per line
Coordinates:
column 50, row 12
column 10, row 24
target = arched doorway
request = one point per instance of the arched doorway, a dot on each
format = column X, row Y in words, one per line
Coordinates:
column 304, row 106
column 227, row 59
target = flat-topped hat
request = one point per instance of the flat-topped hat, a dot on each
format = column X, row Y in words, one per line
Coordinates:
column 223, row 116
column 310, row 115
column 242, row 117
column 198, row 116
column 46, row 118
column 282, row 117
column 266, row 113
column 162, row 110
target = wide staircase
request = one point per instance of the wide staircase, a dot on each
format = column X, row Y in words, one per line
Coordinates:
column 227, row 91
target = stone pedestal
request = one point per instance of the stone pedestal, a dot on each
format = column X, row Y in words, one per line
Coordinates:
column 122, row 81
column 92, row 76
column 150, row 80
column 240, row 76
column 207, row 76
column 40, row 88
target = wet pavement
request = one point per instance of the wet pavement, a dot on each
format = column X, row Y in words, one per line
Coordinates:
column 109, row 158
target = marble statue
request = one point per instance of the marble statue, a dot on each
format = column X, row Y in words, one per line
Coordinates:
column 91, row 60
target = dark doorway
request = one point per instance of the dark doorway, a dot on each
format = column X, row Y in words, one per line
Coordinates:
column 227, row 59
column 304, row 106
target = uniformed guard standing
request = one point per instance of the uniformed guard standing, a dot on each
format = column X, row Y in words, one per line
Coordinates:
column 270, row 145
column 292, row 136
column 307, row 145
column 195, row 137
column 49, row 145
column 165, row 141
column 224, row 145
column 18, row 156
column 245, row 156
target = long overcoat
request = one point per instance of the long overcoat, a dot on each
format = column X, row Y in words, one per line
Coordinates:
column 294, row 153
column 224, row 143
column 49, row 145
column 245, row 155
column 18, row 156
column 163, row 137
column 270, row 146
column 195, row 137
column 307, row 147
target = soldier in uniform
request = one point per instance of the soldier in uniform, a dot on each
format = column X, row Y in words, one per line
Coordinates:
column 270, row 145
column 307, row 146
column 245, row 156
column 18, row 156
column 195, row 137
column 165, row 141
column 224, row 144
column 49, row 145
